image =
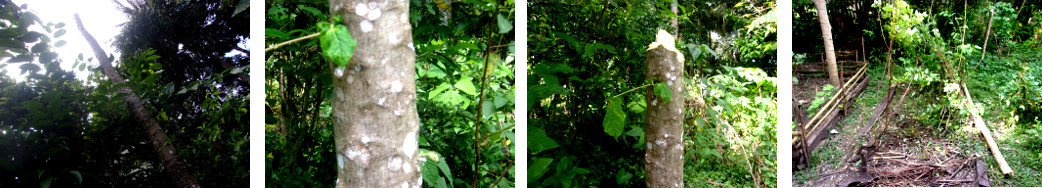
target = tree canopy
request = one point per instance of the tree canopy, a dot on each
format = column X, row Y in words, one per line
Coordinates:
column 60, row 131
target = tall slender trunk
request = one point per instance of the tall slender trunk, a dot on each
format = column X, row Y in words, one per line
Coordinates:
column 375, row 97
column 167, row 155
column 826, row 34
column 664, row 157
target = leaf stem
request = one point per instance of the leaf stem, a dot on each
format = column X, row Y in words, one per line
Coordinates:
column 291, row 41
column 631, row 90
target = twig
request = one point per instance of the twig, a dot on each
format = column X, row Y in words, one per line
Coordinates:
column 620, row 94
column 493, row 133
column 756, row 181
column 710, row 181
column 292, row 41
column 481, row 100
column 984, row 51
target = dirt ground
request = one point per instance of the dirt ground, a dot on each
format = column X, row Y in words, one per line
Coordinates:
column 907, row 153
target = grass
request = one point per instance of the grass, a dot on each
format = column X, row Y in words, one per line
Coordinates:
column 1023, row 157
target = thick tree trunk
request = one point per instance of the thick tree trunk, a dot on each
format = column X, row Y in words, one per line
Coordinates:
column 826, row 34
column 664, row 157
column 375, row 97
column 167, row 155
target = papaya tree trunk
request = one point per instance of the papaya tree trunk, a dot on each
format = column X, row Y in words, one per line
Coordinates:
column 826, row 34
column 664, row 157
column 167, row 155
column 375, row 97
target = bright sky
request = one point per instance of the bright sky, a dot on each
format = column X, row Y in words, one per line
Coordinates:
column 100, row 18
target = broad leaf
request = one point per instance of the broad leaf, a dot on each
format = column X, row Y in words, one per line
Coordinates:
column 445, row 170
column 538, row 141
column 504, row 24
column 615, row 120
column 337, row 44
column 538, row 167
column 466, row 86
column 663, row 92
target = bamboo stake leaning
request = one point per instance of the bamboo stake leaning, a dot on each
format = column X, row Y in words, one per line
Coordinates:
column 992, row 145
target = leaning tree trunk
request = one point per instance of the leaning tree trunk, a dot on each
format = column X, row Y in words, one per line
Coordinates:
column 664, row 158
column 375, row 97
column 826, row 33
column 167, row 155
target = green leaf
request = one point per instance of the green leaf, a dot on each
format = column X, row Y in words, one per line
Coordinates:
column 500, row 101
column 636, row 131
column 445, row 170
column 28, row 67
column 60, row 43
column 46, row 182
column 429, row 172
column 504, row 24
column 39, row 47
column 79, row 178
column 59, row 33
column 615, row 120
column 52, row 96
column 538, row 168
column 663, row 92
column 487, row 109
column 438, row 90
column 441, row 183
column 466, row 86
column 237, row 70
column 538, row 141
column 20, row 58
column 337, row 44
column 623, row 177
column 243, row 4
column 30, row 37
column 12, row 43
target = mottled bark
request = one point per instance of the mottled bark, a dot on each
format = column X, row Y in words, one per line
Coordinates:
column 826, row 34
column 167, row 155
column 375, row 97
column 664, row 157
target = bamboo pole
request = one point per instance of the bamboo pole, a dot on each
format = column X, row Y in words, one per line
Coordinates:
column 819, row 115
column 992, row 145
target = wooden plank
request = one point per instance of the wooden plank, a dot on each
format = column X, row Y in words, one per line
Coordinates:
column 977, row 120
column 817, row 135
column 877, row 112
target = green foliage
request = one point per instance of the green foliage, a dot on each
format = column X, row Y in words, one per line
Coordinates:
column 904, row 24
column 337, row 44
column 79, row 133
column 820, row 98
column 743, row 105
